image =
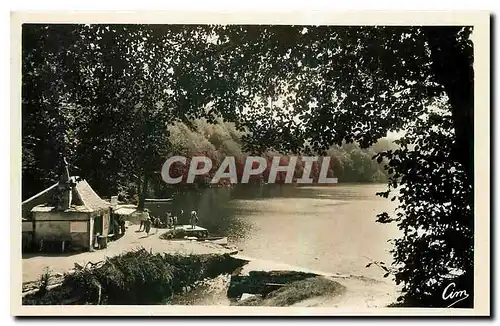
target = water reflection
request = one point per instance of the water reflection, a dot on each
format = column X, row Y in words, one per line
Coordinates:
column 219, row 208
column 331, row 229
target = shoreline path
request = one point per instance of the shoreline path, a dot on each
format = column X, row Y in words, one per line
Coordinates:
column 33, row 264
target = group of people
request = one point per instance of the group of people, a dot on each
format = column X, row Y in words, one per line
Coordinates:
column 147, row 222
column 119, row 226
column 171, row 221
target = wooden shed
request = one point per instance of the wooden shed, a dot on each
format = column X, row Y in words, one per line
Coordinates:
column 74, row 216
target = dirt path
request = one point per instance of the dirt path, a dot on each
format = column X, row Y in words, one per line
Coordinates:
column 34, row 264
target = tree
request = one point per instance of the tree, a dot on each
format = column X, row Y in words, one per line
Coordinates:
column 103, row 97
column 435, row 213
column 357, row 84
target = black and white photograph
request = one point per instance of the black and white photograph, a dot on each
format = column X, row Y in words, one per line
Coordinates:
column 234, row 164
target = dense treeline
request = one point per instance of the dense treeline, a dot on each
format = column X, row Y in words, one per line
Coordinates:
column 348, row 162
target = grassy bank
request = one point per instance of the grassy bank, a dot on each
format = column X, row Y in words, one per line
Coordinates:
column 295, row 292
column 134, row 278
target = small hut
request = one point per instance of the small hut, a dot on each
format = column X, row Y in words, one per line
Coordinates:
column 73, row 215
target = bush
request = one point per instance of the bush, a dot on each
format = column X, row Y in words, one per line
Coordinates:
column 174, row 234
column 138, row 277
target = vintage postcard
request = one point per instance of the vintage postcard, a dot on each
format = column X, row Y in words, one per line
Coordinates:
column 196, row 163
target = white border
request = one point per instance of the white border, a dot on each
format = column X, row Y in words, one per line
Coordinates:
column 480, row 21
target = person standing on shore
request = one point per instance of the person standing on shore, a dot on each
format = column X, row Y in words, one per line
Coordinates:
column 157, row 223
column 147, row 225
column 144, row 217
column 181, row 215
column 194, row 219
column 122, row 226
column 175, row 221
column 169, row 220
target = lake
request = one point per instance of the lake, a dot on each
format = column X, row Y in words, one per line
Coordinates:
column 330, row 229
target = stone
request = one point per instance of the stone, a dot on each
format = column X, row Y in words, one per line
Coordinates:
column 246, row 296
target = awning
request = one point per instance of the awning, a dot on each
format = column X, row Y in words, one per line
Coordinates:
column 125, row 211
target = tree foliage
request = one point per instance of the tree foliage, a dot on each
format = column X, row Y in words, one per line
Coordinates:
column 102, row 96
column 435, row 212
column 350, row 84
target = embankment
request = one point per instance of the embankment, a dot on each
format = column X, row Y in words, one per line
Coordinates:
column 134, row 278
column 142, row 278
column 296, row 292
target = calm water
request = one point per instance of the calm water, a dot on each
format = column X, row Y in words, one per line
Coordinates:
column 329, row 229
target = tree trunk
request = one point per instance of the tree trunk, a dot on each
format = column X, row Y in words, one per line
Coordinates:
column 139, row 192
column 452, row 63
column 144, row 193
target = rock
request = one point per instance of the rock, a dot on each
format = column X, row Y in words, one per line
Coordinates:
column 261, row 282
column 246, row 296
column 222, row 241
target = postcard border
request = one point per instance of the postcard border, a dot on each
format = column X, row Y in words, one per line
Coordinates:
column 480, row 20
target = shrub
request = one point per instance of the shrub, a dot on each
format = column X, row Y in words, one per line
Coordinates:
column 139, row 277
column 174, row 234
